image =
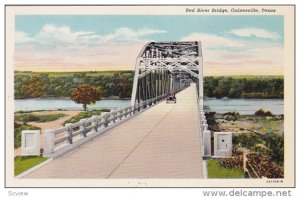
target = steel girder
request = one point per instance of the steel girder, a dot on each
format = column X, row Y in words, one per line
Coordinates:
column 164, row 67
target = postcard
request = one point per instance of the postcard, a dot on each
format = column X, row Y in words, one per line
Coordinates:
column 150, row 96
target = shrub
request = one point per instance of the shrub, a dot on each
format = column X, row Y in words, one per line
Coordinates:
column 38, row 118
column 275, row 144
column 219, row 92
column 27, row 118
column 262, row 112
column 231, row 116
column 260, row 164
column 270, row 143
column 246, row 140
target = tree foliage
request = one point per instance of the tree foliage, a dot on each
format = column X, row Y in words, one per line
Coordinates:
column 86, row 95
column 243, row 87
column 119, row 84
column 35, row 88
column 112, row 84
column 273, row 142
column 122, row 85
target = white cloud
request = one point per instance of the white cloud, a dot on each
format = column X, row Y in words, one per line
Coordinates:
column 222, row 55
column 212, row 40
column 69, row 50
column 63, row 36
column 52, row 35
column 129, row 34
column 61, row 48
column 22, row 37
column 257, row 32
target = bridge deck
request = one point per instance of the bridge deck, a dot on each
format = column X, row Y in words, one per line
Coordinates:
column 162, row 142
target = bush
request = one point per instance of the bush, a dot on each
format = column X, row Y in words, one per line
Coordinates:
column 270, row 143
column 27, row 118
column 219, row 92
column 275, row 144
column 261, row 164
column 38, row 118
column 231, row 116
column 261, row 112
column 246, row 140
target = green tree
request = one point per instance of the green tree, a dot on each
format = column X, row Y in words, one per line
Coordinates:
column 34, row 88
column 122, row 85
column 219, row 92
column 86, row 95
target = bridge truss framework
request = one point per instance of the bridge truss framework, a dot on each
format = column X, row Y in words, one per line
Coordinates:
column 167, row 67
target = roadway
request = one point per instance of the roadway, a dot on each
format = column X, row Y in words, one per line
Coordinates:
column 162, row 142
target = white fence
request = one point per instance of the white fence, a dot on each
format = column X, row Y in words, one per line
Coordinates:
column 59, row 141
column 205, row 133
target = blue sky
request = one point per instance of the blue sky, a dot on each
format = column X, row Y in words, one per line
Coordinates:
column 223, row 37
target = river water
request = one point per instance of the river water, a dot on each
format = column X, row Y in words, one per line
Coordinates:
column 243, row 106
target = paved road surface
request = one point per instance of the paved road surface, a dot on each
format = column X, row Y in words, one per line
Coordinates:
column 162, row 142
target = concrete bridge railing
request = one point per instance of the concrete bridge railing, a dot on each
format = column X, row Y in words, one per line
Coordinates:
column 61, row 140
column 205, row 133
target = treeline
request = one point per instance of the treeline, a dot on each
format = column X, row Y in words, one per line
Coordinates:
column 119, row 84
column 43, row 85
column 244, row 87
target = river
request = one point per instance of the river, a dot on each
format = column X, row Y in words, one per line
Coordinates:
column 243, row 106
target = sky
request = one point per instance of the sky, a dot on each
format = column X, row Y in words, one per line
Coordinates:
column 231, row 45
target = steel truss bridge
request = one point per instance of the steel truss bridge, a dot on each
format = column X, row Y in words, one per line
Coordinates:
column 142, row 140
column 167, row 67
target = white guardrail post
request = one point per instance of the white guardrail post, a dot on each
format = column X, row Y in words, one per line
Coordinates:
column 82, row 128
column 70, row 131
column 206, row 134
column 48, row 142
column 94, row 123
column 207, row 142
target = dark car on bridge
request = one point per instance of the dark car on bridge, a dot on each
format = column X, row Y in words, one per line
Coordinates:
column 171, row 98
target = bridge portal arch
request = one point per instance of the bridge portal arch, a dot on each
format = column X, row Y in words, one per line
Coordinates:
column 165, row 67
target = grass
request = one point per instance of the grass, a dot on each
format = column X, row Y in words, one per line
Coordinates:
column 263, row 124
column 22, row 111
column 26, row 162
column 38, row 118
column 18, row 128
column 85, row 114
column 216, row 171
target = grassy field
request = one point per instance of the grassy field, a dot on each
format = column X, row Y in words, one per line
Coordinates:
column 216, row 171
column 24, row 163
column 38, row 118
